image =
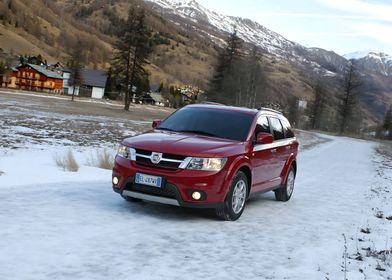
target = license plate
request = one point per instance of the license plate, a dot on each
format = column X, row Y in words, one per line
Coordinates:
column 149, row 180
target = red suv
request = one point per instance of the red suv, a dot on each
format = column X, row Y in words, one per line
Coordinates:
column 209, row 156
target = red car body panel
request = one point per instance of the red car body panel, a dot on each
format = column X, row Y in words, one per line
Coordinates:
column 266, row 165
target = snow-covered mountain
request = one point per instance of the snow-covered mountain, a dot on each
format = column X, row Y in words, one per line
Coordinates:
column 248, row 30
column 215, row 27
column 376, row 62
column 313, row 63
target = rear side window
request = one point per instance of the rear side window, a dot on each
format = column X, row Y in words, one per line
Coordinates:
column 287, row 129
column 277, row 129
column 262, row 125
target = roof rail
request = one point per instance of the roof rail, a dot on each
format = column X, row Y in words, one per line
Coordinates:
column 270, row 110
column 212, row 103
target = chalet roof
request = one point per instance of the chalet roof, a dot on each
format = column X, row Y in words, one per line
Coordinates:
column 91, row 77
column 95, row 78
column 44, row 71
column 157, row 97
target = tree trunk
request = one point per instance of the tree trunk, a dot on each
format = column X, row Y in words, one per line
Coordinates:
column 127, row 80
column 73, row 92
column 132, row 78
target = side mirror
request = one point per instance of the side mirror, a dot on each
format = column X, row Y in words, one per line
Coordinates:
column 264, row 138
column 155, row 123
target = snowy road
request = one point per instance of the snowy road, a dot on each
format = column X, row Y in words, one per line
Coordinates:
column 85, row 231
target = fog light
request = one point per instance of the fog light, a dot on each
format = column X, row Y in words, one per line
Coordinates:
column 115, row 180
column 196, row 195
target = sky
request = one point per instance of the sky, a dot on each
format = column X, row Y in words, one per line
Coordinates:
column 343, row 26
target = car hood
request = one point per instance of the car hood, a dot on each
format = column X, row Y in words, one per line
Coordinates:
column 186, row 144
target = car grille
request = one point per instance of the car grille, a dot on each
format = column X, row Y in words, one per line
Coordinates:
column 168, row 161
column 167, row 190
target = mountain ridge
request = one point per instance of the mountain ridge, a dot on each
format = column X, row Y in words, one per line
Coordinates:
column 253, row 32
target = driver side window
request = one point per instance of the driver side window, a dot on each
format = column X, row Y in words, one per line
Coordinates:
column 262, row 126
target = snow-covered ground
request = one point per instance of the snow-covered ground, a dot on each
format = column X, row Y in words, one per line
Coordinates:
column 63, row 225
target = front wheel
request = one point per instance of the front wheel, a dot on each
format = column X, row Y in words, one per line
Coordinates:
column 285, row 192
column 234, row 203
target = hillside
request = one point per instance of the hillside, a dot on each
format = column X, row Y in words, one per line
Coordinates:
column 187, row 38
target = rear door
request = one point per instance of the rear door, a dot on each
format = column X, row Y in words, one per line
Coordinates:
column 290, row 139
column 279, row 150
column 262, row 157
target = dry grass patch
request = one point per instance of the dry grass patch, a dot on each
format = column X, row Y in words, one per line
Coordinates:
column 385, row 149
column 102, row 159
column 67, row 161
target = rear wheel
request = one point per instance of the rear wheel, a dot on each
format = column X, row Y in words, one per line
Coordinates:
column 234, row 203
column 285, row 192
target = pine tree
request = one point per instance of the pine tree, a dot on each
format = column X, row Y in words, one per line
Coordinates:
column 254, row 79
column 3, row 68
column 75, row 67
column 131, row 52
column 110, row 88
column 293, row 111
column 387, row 126
column 161, row 87
column 317, row 108
column 347, row 108
column 223, row 84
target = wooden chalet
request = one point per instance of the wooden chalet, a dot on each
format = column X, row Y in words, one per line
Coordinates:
column 37, row 78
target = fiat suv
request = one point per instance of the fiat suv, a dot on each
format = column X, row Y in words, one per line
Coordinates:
column 209, row 156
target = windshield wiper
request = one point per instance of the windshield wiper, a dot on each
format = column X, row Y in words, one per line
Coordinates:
column 199, row 132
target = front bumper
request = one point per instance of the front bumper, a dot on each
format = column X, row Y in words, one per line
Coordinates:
column 177, row 187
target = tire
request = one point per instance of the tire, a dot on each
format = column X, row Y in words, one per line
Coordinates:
column 285, row 192
column 131, row 199
column 235, row 200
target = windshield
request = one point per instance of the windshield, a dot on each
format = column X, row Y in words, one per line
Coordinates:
column 211, row 122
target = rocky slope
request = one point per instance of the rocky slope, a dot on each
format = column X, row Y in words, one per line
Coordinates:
column 315, row 63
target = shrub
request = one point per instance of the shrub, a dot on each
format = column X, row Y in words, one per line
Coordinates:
column 102, row 159
column 67, row 161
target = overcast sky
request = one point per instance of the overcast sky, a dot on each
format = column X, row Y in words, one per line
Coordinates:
column 343, row 26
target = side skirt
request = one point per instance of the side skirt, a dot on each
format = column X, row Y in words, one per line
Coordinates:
column 264, row 190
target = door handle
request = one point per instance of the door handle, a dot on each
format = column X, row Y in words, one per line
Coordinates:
column 288, row 147
column 273, row 151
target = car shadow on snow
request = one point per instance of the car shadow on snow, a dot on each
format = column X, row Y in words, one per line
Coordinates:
column 108, row 201
column 99, row 198
column 168, row 212
column 152, row 209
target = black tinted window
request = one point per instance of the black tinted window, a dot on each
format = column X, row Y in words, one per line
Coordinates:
column 287, row 129
column 214, row 122
column 277, row 129
column 262, row 126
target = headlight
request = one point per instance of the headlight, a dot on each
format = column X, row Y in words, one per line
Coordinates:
column 207, row 164
column 125, row 152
